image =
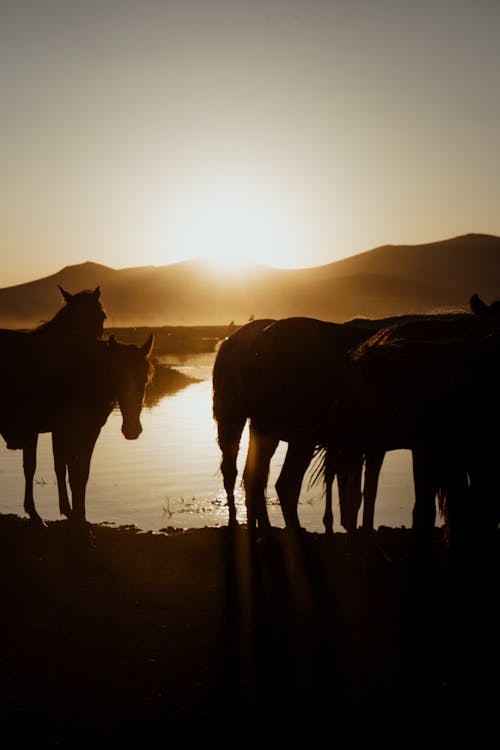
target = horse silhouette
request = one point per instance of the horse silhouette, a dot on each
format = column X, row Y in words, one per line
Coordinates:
column 285, row 378
column 68, row 386
column 259, row 374
column 347, row 465
column 83, row 316
column 433, row 397
column 484, row 318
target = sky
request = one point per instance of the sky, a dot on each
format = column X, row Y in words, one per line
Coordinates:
column 288, row 132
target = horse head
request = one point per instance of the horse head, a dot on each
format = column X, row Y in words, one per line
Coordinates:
column 82, row 315
column 132, row 370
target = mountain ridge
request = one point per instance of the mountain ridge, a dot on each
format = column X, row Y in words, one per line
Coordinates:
column 386, row 280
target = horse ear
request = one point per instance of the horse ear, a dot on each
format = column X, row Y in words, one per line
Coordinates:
column 147, row 347
column 97, row 292
column 67, row 296
column 478, row 307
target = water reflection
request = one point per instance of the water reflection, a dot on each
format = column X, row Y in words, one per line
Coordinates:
column 166, row 382
column 170, row 476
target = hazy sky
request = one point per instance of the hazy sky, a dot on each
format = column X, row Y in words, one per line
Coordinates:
column 293, row 132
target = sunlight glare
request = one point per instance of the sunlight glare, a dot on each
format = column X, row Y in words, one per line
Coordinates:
column 234, row 232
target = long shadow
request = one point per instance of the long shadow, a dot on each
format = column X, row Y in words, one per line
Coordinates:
column 368, row 645
column 282, row 623
column 201, row 635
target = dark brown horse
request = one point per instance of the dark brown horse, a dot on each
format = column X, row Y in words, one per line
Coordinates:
column 82, row 316
column 434, row 397
column 290, row 375
column 256, row 374
column 347, row 464
column 69, row 386
column 484, row 318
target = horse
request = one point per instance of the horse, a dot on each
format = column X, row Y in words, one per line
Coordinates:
column 433, row 396
column 484, row 318
column 83, row 316
column 347, row 465
column 71, row 392
column 237, row 395
column 268, row 426
column 231, row 410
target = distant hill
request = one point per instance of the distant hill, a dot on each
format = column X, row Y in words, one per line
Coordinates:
column 387, row 280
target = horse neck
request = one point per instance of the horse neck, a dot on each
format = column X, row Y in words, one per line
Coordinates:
column 65, row 321
column 62, row 322
column 99, row 379
column 115, row 371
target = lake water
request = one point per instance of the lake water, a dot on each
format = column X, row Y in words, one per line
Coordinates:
column 170, row 475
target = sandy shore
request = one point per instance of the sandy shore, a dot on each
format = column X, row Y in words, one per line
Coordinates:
column 194, row 639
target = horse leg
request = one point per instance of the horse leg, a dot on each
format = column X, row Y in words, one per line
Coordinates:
column 484, row 486
column 373, row 465
column 78, row 472
column 426, row 478
column 229, row 443
column 60, row 469
column 484, row 506
column 457, row 514
column 330, row 472
column 289, row 483
column 29, row 468
column 349, row 473
column 261, row 449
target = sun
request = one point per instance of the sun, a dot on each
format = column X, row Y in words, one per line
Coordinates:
column 234, row 230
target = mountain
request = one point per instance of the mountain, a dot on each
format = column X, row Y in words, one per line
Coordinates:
column 387, row 280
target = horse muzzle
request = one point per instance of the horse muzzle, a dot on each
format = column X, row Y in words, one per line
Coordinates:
column 131, row 432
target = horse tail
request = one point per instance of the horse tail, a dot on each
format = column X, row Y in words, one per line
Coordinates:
column 227, row 388
column 318, row 466
column 441, row 498
column 442, row 504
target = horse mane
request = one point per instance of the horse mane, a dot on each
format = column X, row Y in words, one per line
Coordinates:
column 431, row 331
column 385, row 337
column 393, row 320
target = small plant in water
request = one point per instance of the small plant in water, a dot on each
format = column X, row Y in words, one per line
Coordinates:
column 167, row 511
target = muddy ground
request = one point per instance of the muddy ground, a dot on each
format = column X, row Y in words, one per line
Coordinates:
column 198, row 639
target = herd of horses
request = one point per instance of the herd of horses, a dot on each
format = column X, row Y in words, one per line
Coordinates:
column 351, row 392
column 343, row 394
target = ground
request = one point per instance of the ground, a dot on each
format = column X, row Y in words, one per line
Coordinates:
column 197, row 639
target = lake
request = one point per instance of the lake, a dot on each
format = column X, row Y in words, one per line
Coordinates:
column 170, row 475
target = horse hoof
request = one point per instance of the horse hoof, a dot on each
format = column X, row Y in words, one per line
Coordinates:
column 91, row 538
column 84, row 536
column 37, row 521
